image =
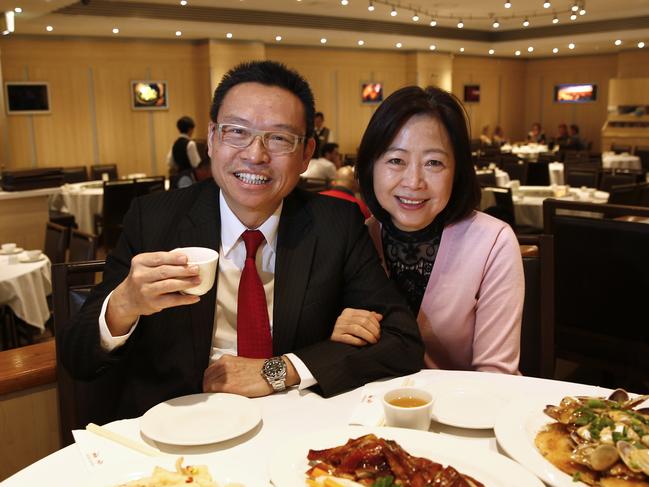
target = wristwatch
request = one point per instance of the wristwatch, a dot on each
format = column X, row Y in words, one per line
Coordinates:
column 274, row 371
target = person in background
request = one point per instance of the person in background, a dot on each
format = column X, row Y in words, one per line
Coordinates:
column 322, row 133
column 562, row 139
column 303, row 256
column 536, row 135
column 459, row 269
column 498, row 136
column 324, row 167
column 183, row 156
column 485, row 140
column 574, row 140
column 345, row 187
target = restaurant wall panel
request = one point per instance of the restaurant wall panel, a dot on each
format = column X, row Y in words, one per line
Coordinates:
column 633, row 64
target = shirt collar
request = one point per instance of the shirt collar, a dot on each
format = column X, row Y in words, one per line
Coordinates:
column 232, row 228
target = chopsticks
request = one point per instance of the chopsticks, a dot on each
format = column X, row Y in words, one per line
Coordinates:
column 407, row 382
column 123, row 440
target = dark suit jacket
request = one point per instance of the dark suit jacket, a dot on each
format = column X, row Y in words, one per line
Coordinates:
column 325, row 262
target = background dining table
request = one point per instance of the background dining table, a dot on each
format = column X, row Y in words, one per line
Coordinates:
column 292, row 413
column 83, row 200
column 24, row 287
column 611, row 160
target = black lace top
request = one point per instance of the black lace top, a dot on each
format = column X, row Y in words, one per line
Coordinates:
column 409, row 258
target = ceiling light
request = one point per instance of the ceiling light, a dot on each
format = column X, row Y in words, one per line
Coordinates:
column 574, row 7
column 491, row 51
column 571, row 46
column 432, row 47
column 555, row 19
column 393, row 12
column 526, row 22
column 618, row 42
column 640, row 44
column 547, row 4
column 530, row 49
column 517, row 53
column 496, row 24
column 361, row 42
column 573, row 17
column 508, row 4
column 370, row 6
column 115, row 30
column 461, row 49
column 228, row 35
column 555, row 50
column 433, row 22
column 183, row 2
column 344, row 3
column 178, row 33
column 415, row 18
column 323, row 40
column 398, row 45
column 460, row 24
column 49, row 28
column 582, row 11
column 278, row 38
column 18, row 10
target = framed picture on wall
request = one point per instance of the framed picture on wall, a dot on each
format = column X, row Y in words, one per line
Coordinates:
column 575, row 93
column 471, row 93
column 371, row 92
column 27, row 97
column 149, row 95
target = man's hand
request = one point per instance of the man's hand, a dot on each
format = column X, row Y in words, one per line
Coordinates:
column 153, row 284
column 240, row 375
column 357, row 327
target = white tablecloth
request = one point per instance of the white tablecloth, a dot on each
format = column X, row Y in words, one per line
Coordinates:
column 24, row 287
column 292, row 413
column 611, row 160
column 84, row 201
column 526, row 151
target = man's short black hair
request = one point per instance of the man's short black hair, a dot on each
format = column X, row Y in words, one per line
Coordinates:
column 319, row 114
column 185, row 124
column 269, row 73
column 328, row 147
column 384, row 126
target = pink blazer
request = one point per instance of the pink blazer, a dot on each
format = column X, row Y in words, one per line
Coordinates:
column 470, row 315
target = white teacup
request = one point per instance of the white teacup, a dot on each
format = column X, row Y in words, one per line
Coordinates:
column 206, row 260
column 33, row 254
column 8, row 247
column 408, row 407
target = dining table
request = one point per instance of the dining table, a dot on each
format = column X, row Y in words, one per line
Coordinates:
column 530, row 151
column 611, row 160
column 24, row 286
column 470, row 411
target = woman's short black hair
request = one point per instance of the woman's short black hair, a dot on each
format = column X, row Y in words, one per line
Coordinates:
column 386, row 122
column 185, row 124
column 269, row 73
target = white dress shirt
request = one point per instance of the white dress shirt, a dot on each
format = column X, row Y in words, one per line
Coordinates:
column 232, row 257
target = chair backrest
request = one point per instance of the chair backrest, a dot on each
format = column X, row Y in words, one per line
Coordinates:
column 116, row 202
column 538, row 174
column 504, row 208
column 98, row 170
column 80, row 403
column 626, row 194
column 643, row 154
column 149, row 185
column 617, row 179
column 601, row 286
column 315, row 185
column 578, row 177
column 56, row 242
column 620, row 148
column 75, row 174
column 486, row 178
column 575, row 156
column 517, row 169
column 537, row 329
column 83, row 246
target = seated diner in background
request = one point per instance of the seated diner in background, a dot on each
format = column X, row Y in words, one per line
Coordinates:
column 315, row 255
column 498, row 137
column 345, row 187
column 536, row 134
column 459, row 269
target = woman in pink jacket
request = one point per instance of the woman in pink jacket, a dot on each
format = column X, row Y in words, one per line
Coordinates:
column 459, row 269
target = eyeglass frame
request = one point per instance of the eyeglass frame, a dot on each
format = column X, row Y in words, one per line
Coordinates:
column 258, row 133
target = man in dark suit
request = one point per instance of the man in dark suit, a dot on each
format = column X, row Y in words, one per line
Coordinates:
column 315, row 260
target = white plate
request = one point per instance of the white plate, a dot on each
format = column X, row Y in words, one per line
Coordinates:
column 221, row 470
column 17, row 250
column 516, row 428
column 26, row 260
column 470, row 404
column 289, row 463
column 200, row 419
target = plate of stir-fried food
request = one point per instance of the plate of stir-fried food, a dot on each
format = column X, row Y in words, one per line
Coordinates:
column 601, row 441
column 391, row 457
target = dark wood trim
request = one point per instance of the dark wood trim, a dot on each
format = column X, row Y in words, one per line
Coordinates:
column 26, row 367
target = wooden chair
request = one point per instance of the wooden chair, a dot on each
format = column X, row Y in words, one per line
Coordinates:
column 629, row 194
column 116, row 202
column 601, row 285
column 80, row 402
column 75, row 174
column 486, row 178
column 538, row 174
column 98, row 170
column 516, row 168
column 537, row 329
column 504, row 207
column 643, row 153
column 56, row 242
column 578, row 177
column 616, row 179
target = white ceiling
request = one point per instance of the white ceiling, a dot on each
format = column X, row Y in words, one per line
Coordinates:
column 305, row 22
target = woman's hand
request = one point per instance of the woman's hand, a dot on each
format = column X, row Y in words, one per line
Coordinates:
column 357, row 327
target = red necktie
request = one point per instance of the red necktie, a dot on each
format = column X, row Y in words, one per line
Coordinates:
column 253, row 327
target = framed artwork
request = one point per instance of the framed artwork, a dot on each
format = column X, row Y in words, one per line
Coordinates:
column 27, row 97
column 575, row 93
column 149, row 95
column 472, row 93
column 371, row 93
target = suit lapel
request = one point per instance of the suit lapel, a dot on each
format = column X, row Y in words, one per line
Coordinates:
column 295, row 251
column 201, row 227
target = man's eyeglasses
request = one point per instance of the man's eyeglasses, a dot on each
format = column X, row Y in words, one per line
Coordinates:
column 241, row 137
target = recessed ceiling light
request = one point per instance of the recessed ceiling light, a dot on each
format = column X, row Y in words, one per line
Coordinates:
column 555, row 50
column 433, row 23
column 526, row 22
column 582, row 11
column 491, row 51
column 323, row 40
column 461, row 49
column 574, row 7
column 361, row 42
column 178, row 33
column 517, row 53
column 228, row 35
column 573, row 17
column 49, row 28
column 393, row 12
column 496, row 24
column 115, row 30
column 278, row 38
column 432, row 47
column 618, row 42
column 640, row 44
column 508, row 4
column 571, row 46
column 555, row 19
column 183, row 2
column 415, row 18
column 547, row 4
column 398, row 45
column 370, row 7
column 530, row 49
column 344, row 3
column 460, row 24
column 18, row 10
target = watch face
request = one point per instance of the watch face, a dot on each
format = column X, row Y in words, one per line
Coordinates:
column 274, row 368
